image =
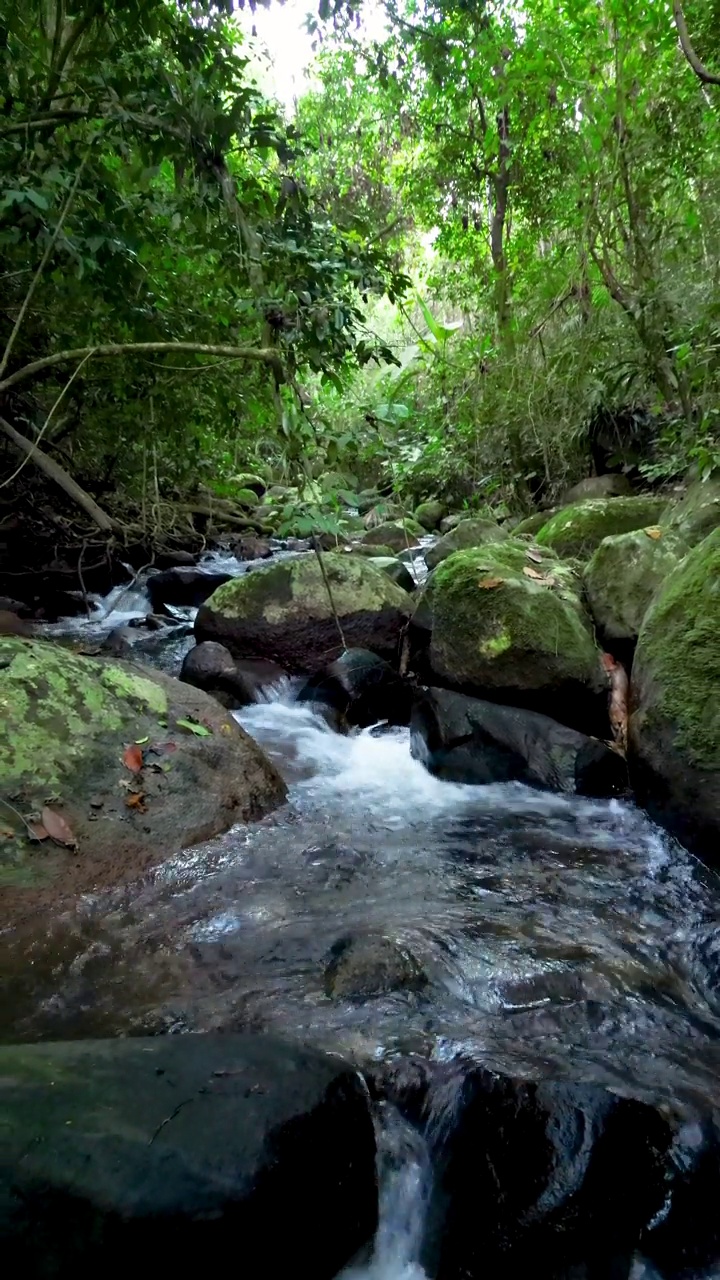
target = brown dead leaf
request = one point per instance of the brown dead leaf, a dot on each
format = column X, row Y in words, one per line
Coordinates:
column 133, row 758
column 533, row 554
column 38, row 831
column 654, row 532
column 487, row 584
column 57, row 828
column 533, row 573
column 136, row 801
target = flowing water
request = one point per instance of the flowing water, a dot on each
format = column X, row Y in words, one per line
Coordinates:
column 380, row 911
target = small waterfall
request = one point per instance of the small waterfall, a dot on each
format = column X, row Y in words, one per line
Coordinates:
column 405, row 1179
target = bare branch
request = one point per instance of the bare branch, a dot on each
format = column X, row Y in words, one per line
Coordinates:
column 260, row 355
column 61, row 478
column 686, row 45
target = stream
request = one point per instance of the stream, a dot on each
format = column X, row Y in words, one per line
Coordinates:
column 538, row 934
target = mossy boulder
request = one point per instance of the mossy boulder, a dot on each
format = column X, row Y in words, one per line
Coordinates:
column 452, row 521
column 468, row 533
column 513, row 628
column 250, row 481
column 283, row 611
column 698, row 513
column 624, row 574
column 395, row 534
column 579, row 529
column 429, row 515
column 67, row 721
column 612, row 485
column 675, row 708
column 372, row 552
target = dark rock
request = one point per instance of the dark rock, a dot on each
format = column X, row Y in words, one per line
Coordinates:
column 151, row 622
column 468, row 740
column 9, row 605
column 175, row 560
column 250, row 548
column 235, row 682
column 12, row 625
column 541, row 1179
column 191, row 587
column 118, row 642
column 396, row 571
column 361, row 966
column 181, row 1149
column 361, row 689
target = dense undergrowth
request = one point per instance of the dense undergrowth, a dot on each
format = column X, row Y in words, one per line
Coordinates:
column 479, row 262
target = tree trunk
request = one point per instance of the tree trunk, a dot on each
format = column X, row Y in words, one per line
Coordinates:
column 57, row 473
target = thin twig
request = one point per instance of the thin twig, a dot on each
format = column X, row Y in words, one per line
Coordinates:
column 318, row 553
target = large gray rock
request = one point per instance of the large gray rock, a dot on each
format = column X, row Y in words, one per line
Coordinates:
column 608, row 486
column 182, row 1149
column 285, row 613
column 467, row 533
column 472, row 741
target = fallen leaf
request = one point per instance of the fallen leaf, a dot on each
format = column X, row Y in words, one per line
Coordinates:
column 136, row 801
column 133, row 758
column 654, row 532
column 198, row 729
column 57, row 828
column 141, row 741
column 164, row 748
column 533, row 573
column 38, row 830
column 488, row 583
column 533, row 554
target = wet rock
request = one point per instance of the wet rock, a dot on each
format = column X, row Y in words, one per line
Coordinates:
column 118, row 642
column 675, row 712
column 577, row 530
column 468, row 533
column 395, row 534
column 363, row 966
column 531, row 524
column 531, row 1178
column 189, row 587
column 12, row 625
column 467, row 740
column 611, row 485
column 151, row 622
column 283, row 612
column 67, row 721
column 361, row 689
column 175, row 560
column 373, row 552
column 515, row 629
column 396, row 571
column 624, row 574
column 451, row 522
column 429, row 515
column 235, row 682
column 252, row 549
column 183, row 1148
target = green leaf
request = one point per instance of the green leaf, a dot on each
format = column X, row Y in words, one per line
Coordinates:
column 192, row 726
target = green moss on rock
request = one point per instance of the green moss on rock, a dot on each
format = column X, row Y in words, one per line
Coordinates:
column 675, row 725
column 579, row 529
column 429, row 515
column 283, row 610
column 466, row 534
column 698, row 513
column 625, row 573
column 66, row 720
column 496, row 626
column 531, row 524
column 395, row 534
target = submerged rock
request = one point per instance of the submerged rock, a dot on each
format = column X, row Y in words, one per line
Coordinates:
column 467, row 740
column 283, row 612
column 182, row 586
column 516, row 626
column 578, row 529
column 362, row 966
column 675, row 709
column 183, row 1148
column 136, row 765
column 467, row 533
column 625, row 573
column 361, row 689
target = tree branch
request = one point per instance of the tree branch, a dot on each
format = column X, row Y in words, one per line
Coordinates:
column 57, row 473
column 261, row 355
column 686, row 45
